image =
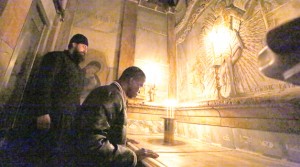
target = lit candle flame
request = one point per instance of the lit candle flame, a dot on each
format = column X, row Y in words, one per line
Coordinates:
column 170, row 105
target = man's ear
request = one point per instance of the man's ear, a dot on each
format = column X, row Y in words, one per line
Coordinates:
column 74, row 44
column 131, row 81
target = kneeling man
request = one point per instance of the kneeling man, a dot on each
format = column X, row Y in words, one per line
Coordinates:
column 101, row 122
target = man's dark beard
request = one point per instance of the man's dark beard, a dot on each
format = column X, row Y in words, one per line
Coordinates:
column 78, row 56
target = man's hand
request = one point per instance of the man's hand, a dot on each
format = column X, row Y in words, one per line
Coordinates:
column 144, row 153
column 43, row 122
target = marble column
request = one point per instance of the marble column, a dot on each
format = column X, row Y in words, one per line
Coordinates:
column 128, row 36
column 171, row 49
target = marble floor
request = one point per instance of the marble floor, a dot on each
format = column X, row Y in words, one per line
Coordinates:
column 189, row 153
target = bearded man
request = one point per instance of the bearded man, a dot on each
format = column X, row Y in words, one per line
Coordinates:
column 56, row 94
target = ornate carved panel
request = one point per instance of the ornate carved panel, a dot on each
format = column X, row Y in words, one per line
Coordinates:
column 219, row 41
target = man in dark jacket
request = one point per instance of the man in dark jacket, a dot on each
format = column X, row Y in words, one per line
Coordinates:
column 101, row 122
column 56, row 96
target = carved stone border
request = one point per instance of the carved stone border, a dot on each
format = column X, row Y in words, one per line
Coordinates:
column 275, row 101
column 194, row 10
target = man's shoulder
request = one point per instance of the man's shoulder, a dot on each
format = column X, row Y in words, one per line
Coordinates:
column 102, row 94
column 105, row 89
column 105, row 92
column 55, row 55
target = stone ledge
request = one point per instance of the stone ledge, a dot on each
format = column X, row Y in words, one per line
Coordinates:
column 271, row 144
column 147, row 162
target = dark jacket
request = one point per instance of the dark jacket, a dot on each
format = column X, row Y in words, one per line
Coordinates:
column 57, row 90
column 101, row 125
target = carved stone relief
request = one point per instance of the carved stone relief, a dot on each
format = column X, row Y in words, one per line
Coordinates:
column 233, row 71
column 280, row 12
column 194, row 9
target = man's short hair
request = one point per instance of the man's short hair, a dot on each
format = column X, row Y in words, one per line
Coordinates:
column 78, row 38
column 132, row 72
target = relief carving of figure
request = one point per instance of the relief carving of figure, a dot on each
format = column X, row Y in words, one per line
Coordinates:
column 91, row 79
column 230, row 18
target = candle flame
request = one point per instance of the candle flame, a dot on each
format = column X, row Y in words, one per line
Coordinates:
column 170, row 105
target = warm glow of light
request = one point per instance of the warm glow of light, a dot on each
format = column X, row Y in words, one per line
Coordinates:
column 152, row 72
column 220, row 38
column 170, row 105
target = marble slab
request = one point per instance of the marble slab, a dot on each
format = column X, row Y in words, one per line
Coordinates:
column 190, row 153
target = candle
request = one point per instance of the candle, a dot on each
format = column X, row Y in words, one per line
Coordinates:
column 167, row 111
column 170, row 106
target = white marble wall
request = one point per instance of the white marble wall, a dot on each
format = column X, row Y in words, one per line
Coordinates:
column 100, row 21
column 151, row 50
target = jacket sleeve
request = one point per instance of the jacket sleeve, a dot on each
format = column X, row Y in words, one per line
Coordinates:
column 118, row 154
column 100, row 127
column 49, row 68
